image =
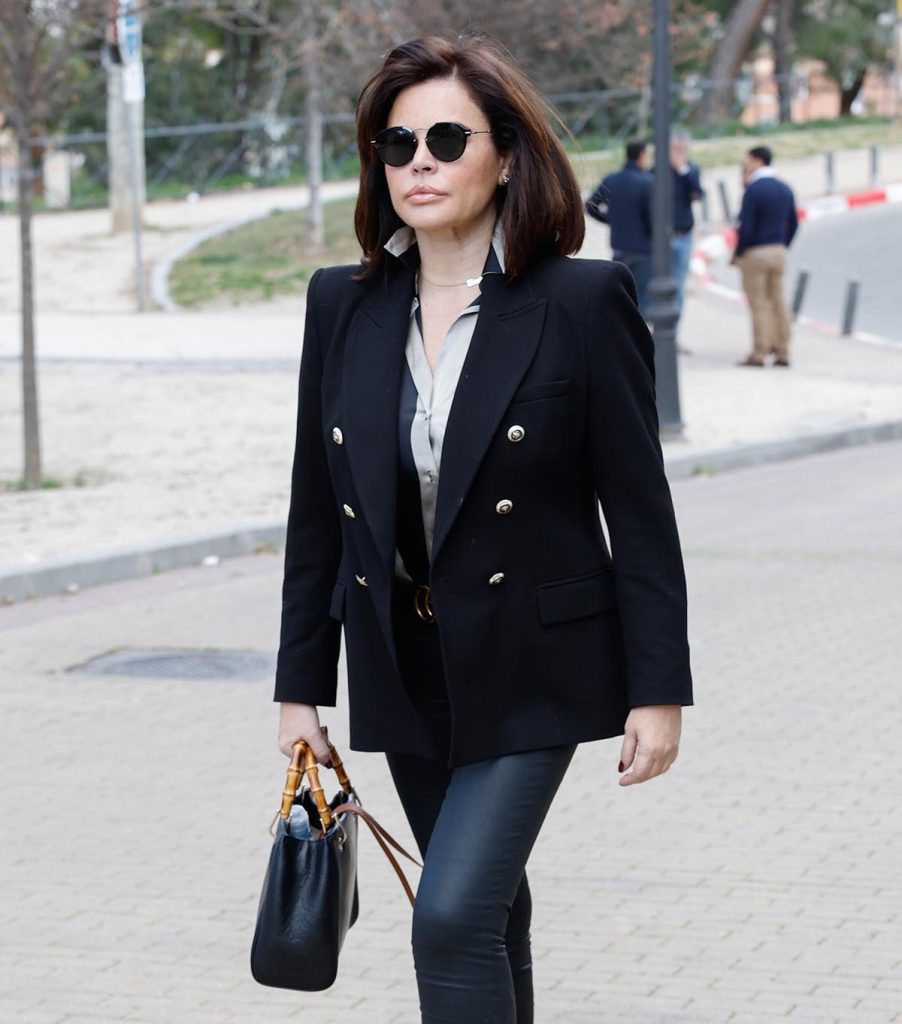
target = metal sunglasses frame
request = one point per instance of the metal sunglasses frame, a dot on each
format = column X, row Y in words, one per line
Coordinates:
column 465, row 132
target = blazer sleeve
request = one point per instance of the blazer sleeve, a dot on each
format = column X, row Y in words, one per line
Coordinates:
column 792, row 219
column 307, row 663
column 597, row 203
column 746, row 222
column 628, row 470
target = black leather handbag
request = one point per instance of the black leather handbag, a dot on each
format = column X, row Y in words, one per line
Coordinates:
column 310, row 897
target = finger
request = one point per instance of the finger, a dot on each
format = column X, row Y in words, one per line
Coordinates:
column 627, row 750
column 321, row 749
column 643, row 769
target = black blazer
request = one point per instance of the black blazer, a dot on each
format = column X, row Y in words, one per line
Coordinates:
column 568, row 641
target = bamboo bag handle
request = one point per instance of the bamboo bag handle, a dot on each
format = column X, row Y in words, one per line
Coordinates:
column 303, row 751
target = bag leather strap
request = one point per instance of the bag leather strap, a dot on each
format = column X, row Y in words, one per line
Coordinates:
column 378, row 831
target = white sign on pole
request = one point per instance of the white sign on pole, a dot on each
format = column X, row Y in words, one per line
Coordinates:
column 133, row 83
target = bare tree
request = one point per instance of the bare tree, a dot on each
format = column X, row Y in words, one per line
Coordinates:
column 328, row 46
column 784, row 33
column 37, row 40
column 732, row 49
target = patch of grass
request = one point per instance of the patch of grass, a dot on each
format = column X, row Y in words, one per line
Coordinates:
column 788, row 142
column 83, row 478
column 48, row 483
column 264, row 259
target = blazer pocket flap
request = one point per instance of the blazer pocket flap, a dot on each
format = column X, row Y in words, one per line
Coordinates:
column 337, row 604
column 547, row 389
column 576, row 598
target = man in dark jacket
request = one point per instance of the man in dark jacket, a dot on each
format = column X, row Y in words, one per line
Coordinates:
column 623, row 201
column 767, row 225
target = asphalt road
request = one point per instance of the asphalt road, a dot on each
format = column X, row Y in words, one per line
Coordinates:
column 866, row 245
column 757, row 882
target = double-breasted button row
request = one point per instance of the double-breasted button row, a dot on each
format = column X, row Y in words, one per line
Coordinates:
column 337, row 436
column 504, row 506
column 516, row 433
column 496, row 578
column 361, row 580
column 349, row 512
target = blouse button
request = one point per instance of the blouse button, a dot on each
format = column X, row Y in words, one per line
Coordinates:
column 504, row 506
column 337, row 436
column 349, row 512
column 516, row 433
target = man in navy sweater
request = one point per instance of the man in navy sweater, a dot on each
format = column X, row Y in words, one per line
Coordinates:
column 623, row 201
column 767, row 225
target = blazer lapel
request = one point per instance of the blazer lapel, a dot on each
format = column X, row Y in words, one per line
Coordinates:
column 503, row 345
column 370, row 384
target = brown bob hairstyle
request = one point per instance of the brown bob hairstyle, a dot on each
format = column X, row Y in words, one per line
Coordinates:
column 541, row 209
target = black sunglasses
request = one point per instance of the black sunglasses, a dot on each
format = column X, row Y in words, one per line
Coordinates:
column 446, row 141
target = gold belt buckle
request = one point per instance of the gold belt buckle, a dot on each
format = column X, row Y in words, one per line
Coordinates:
column 422, row 603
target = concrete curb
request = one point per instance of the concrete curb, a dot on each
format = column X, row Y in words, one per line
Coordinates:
column 746, row 456
column 60, row 576
column 159, row 277
column 66, row 575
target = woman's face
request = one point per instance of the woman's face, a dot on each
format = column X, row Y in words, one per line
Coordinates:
column 444, row 199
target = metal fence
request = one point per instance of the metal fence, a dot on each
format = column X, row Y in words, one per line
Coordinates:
column 72, row 170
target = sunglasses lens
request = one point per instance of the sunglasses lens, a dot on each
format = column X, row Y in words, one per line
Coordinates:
column 446, row 141
column 395, row 146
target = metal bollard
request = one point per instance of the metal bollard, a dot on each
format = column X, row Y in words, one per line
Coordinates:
column 725, row 201
column 851, row 304
column 831, row 173
column 875, row 166
column 799, row 295
column 706, row 212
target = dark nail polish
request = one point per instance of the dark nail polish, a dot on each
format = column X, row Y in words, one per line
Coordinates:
column 620, row 767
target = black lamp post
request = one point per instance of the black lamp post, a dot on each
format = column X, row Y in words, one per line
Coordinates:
column 662, row 310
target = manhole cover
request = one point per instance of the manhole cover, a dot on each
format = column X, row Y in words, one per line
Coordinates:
column 241, row 666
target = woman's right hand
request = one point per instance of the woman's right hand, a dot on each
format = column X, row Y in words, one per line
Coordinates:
column 301, row 722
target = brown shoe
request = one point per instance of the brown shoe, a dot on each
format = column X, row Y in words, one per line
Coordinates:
column 751, row 361
column 781, row 362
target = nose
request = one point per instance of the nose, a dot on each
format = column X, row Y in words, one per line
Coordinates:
column 423, row 160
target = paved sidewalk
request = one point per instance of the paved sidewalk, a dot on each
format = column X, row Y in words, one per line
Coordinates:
column 757, row 882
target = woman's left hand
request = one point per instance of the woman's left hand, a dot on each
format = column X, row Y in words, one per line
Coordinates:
column 651, row 740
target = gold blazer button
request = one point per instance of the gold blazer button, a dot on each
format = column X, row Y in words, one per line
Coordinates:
column 516, row 433
column 504, row 506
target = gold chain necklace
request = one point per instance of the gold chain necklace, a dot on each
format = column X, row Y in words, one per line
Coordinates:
column 470, row 282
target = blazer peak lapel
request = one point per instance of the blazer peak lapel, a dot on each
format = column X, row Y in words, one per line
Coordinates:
column 371, row 386
column 502, row 348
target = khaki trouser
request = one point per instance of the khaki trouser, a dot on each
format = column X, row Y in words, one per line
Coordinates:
column 762, row 269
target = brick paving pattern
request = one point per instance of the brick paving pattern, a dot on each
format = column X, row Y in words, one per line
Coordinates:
column 757, row 882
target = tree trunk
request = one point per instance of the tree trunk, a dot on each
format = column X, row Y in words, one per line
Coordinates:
column 848, row 96
column 313, row 83
column 783, row 57
column 731, row 51
column 30, row 419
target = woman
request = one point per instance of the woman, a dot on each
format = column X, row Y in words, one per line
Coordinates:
column 466, row 398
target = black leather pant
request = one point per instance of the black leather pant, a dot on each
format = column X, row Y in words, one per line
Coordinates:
column 475, row 827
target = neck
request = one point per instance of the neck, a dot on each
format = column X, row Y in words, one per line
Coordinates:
column 449, row 257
